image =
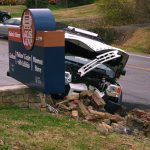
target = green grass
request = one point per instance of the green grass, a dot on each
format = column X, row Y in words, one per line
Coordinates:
column 15, row 10
column 34, row 130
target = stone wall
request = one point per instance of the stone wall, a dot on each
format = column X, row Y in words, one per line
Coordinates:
column 23, row 97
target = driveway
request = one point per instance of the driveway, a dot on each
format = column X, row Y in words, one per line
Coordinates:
column 4, row 79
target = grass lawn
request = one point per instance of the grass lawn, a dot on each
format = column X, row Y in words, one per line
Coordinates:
column 15, row 10
column 28, row 129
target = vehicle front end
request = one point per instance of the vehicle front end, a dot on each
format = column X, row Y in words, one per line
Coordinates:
column 93, row 65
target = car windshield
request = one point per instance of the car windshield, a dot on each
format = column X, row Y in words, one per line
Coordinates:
column 12, row 22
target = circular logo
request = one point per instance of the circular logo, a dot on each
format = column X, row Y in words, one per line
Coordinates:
column 27, row 30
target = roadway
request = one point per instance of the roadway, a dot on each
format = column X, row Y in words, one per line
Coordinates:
column 136, row 83
column 4, row 79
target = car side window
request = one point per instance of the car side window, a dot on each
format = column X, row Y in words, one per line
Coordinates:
column 17, row 22
column 9, row 21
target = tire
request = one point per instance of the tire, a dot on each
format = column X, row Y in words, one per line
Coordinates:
column 5, row 17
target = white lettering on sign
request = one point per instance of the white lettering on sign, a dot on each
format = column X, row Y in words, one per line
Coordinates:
column 12, row 56
column 23, row 63
column 27, row 61
column 37, row 69
column 28, row 31
column 37, row 61
column 19, row 55
column 26, row 57
column 14, row 34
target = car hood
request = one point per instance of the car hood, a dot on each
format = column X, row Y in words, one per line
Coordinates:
column 97, row 51
column 87, row 43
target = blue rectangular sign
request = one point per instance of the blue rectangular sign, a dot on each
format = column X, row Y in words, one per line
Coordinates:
column 41, row 68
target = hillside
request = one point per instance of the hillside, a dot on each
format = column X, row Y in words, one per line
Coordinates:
column 139, row 41
column 87, row 17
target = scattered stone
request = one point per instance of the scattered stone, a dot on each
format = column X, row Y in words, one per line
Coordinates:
column 63, row 102
column 92, row 117
column 89, row 106
column 118, row 128
column 135, row 122
column 72, row 105
column 83, row 109
column 1, row 142
column 107, row 121
column 75, row 114
column 143, row 115
column 98, row 101
column 140, row 120
column 101, row 115
column 63, row 107
column 116, row 118
column 104, row 128
column 72, row 97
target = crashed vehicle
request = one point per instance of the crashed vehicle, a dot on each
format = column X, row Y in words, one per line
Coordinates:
column 91, row 64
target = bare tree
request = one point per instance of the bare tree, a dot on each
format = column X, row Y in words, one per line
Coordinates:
column 36, row 3
column 65, row 3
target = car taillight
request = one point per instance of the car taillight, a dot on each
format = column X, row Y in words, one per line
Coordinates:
column 113, row 90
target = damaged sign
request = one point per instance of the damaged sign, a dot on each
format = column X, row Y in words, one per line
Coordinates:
column 93, row 65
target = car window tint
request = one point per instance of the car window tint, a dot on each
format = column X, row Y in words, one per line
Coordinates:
column 17, row 22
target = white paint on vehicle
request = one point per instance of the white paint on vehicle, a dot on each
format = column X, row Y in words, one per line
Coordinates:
column 93, row 45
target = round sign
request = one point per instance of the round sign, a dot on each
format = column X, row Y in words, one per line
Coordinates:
column 28, row 30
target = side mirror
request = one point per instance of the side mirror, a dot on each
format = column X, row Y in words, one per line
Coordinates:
column 123, row 72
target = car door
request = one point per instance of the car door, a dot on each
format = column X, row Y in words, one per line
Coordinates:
column 7, row 24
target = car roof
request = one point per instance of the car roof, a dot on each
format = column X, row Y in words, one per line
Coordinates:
column 18, row 18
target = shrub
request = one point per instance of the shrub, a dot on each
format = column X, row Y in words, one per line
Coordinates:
column 142, row 8
column 20, row 2
column 117, row 11
column 40, row 3
column 8, row 2
column 73, row 3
